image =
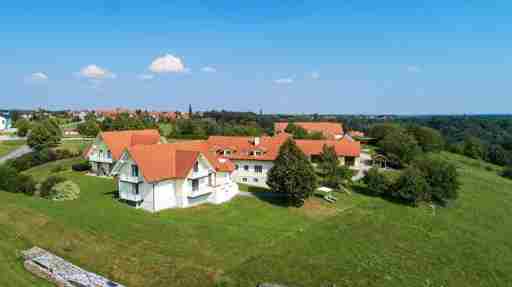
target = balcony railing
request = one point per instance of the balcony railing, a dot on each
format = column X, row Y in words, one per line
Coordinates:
column 100, row 159
column 130, row 196
column 129, row 178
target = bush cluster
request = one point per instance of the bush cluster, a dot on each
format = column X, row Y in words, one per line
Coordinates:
column 507, row 173
column 12, row 181
column 427, row 179
column 39, row 157
column 46, row 189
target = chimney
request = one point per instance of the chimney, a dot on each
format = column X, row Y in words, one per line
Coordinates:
column 256, row 141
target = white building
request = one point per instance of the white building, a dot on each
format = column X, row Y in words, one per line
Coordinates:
column 108, row 147
column 5, row 122
column 157, row 177
column 254, row 156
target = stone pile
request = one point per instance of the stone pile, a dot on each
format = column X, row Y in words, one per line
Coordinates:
column 60, row 272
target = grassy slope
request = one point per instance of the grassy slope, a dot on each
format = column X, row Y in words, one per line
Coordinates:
column 8, row 146
column 362, row 241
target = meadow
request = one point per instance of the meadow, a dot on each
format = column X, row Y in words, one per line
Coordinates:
column 359, row 241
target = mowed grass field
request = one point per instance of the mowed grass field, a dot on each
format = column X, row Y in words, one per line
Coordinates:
column 8, row 146
column 360, row 241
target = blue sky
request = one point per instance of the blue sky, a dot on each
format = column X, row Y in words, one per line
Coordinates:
column 280, row 56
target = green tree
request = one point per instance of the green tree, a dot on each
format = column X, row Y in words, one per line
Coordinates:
column 23, row 127
column 379, row 183
column 400, row 146
column 42, row 135
column 380, row 131
column 441, row 176
column 334, row 175
column 412, row 186
column 497, row 154
column 8, row 178
column 89, row 128
column 473, row 148
column 430, row 140
column 507, row 172
column 292, row 174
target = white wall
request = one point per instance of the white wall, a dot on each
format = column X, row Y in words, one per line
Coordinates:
column 252, row 177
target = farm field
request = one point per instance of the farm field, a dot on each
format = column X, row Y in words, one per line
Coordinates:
column 359, row 241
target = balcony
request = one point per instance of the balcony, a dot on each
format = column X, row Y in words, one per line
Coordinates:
column 103, row 159
column 129, row 178
column 130, row 196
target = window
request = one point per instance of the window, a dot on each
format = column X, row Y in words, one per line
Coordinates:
column 227, row 152
column 196, row 166
column 136, row 188
column 255, row 179
column 258, row 153
column 237, row 167
column 244, row 179
column 135, row 171
column 246, row 167
column 109, row 154
column 258, row 168
column 101, row 154
column 195, row 184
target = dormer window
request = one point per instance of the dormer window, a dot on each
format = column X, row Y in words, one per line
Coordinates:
column 196, row 166
column 227, row 152
column 257, row 152
column 135, row 171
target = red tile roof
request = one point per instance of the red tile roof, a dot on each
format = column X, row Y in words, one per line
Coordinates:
column 328, row 129
column 342, row 147
column 220, row 163
column 118, row 141
column 269, row 146
column 163, row 161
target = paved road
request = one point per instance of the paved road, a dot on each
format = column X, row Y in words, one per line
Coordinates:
column 16, row 153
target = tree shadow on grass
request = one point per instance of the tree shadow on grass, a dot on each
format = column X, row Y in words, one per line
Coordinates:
column 273, row 198
column 365, row 191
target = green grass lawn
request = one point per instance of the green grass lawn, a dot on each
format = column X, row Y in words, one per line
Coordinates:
column 8, row 146
column 359, row 241
column 74, row 145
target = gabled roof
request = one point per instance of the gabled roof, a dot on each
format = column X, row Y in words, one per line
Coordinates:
column 163, row 161
column 242, row 147
column 220, row 163
column 118, row 141
column 328, row 129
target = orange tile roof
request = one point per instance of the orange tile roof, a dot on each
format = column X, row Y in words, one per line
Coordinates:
column 269, row 146
column 328, row 129
column 241, row 147
column 342, row 147
column 220, row 163
column 163, row 161
column 118, row 141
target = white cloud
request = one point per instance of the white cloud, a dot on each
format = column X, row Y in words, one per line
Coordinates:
column 285, row 81
column 413, row 69
column 167, row 64
column 146, row 77
column 208, row 69
column 39, row 76
column 315, row 75
column 96, row 73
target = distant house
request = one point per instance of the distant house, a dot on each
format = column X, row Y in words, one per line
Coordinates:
column 254, row 156
column 157, row 177
column 5, row 121
column 109, row 146
column 330, row 130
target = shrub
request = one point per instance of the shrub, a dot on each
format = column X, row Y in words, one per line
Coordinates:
column 441, row 176
column 82, row 166
column 430, row 140
column 25, row 184
column 8, row 178
column 46, row 189
column 507, row 173
column 473, row 148
column 379, row 183
column 66, row 190
column 412, row 186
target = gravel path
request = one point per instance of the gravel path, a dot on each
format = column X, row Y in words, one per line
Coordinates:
column 23, row 150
